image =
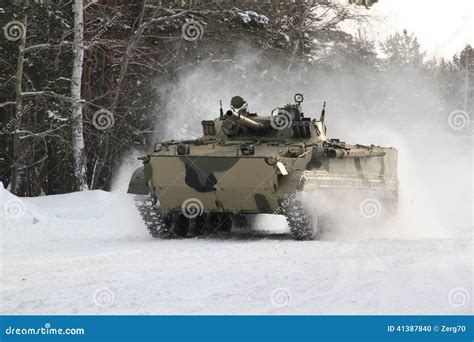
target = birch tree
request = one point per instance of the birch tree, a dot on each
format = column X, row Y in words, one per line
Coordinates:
column 18, row 106
column 76, row 82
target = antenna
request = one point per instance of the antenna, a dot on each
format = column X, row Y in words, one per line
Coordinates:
column 323, row 112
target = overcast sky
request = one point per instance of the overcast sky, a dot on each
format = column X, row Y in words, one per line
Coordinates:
column 443, row 27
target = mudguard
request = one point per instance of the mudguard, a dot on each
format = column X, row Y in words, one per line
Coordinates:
column 139, row 183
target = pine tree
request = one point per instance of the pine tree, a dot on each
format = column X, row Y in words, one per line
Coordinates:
column 465, row 63
column 403, row 52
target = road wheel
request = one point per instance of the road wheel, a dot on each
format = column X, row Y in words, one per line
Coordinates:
column 196, row 226
column 180, row 225
column 218, row 222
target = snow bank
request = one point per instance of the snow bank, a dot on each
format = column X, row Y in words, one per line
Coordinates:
column 89, row 214
column 16, row 211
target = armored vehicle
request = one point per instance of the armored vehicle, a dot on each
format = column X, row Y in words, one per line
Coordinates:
column 245, row 164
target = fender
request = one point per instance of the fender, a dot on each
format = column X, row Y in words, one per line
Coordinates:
column 139, row 183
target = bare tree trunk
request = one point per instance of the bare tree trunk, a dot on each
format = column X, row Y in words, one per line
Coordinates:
column 466, row 81
column 18, row 109
column 300, row 39
column 132, row 42
column 77, row 120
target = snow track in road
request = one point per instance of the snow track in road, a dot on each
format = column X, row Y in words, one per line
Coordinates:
column 89, row 253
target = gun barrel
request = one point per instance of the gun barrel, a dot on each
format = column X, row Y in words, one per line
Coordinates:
column 244, row 121
column 354, row 153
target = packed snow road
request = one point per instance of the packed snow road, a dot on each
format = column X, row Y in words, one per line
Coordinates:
column 89, row 253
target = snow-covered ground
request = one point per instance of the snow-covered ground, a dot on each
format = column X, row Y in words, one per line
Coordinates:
column 89, row 253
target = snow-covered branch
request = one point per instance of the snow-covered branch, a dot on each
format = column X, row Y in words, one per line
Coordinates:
column 46, row 93
column 4, row 104
column 46, row 46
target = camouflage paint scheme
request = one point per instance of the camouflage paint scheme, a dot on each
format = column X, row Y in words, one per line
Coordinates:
column 218, row 170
